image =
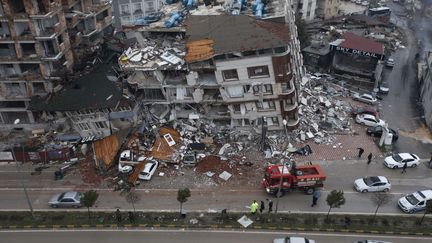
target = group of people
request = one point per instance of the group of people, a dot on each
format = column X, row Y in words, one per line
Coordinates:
column 261, row 207
column 369, row 157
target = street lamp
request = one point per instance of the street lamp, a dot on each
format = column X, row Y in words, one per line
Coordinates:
column 16, row 122
column 285, row 123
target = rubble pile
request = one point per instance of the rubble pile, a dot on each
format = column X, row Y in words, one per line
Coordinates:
column 162, row 52
column 321, row 115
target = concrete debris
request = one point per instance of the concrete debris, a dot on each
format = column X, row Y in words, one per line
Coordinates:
column 245, row 221
column 225, row 175
column 193, row 221
column 209, row 174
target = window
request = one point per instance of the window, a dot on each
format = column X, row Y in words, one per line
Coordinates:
column 266, row 105
column 125, row 20
column 272, row 121
column 246, row 88
column 259, row 71
column 256, row 89
column 150, row 7
column 268, row 88
column 83, row 126
column 289, row 102
column 280, row 49
column 137, row 8
column 101, row 124
column 285, row 87
column 124, row 9
column 229, row 75
column 237, row 108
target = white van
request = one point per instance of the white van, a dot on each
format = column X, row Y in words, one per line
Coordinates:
column 415, row 201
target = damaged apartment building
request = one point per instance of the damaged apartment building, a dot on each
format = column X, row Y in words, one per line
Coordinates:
column 40, row 42
column 231, row 68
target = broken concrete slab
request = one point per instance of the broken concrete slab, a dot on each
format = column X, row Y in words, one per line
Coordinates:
column 225, row 175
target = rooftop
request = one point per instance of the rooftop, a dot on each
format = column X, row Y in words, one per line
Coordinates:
column 350, row 40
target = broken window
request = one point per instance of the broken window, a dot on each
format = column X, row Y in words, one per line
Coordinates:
column 83, row 126
column 12, row 104
column 235, row 91
column 4, row 30
column 246, row 88
column 249, row 53
column 8, row 70
column 236, row 108
column 272, row 121
column 7, row 50
column 265, row 51
column 17, row 6
column 230, row 75
column 38, row 87
column 22, row 28
column 259, row 71
column 285, row 87
column 266, row 105
column 28, row 49
column 150, row 7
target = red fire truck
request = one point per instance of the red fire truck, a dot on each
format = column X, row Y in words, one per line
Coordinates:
column 306, row 178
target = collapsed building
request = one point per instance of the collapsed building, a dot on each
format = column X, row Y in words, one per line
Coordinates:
column 425, row 80
column 236, row 69
column 40, row 42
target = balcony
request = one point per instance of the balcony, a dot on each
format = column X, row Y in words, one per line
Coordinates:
column 52, row 10
column 72, row 19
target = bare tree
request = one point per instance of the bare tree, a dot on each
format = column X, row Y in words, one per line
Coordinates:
column 428, row 210
column 132, row 198
column 380, row 199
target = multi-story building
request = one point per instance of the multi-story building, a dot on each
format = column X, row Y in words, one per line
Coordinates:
column 327, row 9
column 306, row 8
column 425, row 79
column 38, row 39
column 233, row 68
column 128, row 12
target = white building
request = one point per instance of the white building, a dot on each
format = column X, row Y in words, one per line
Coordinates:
column 127, row 12
column 306, row 8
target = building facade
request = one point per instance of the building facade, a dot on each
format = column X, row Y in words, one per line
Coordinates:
column 38, row 39
column 306, row 8
column 327, row 9
column 425, row 79
column 235, row 69
column 128, row 12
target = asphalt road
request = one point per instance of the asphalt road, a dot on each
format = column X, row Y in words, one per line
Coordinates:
column 186, row 236
column 401, row 107
column 340, row 176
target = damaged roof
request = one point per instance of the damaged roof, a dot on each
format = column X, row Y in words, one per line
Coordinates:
column 92, row 91
column 353, row 41
column 233, row 33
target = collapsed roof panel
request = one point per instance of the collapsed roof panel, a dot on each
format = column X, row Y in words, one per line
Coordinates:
column 236, row 33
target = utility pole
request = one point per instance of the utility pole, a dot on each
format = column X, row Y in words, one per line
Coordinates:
column 20, row 176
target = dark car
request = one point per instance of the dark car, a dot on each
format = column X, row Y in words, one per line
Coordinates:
column 378, row 130
column 364, row 110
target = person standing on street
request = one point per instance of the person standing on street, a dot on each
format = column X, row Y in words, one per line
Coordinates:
column 315, row 196
column 361, row 151
column 270, row 205
column 262, row 207
column 404, row 168
column 254, row 207
column 369, row 158
column 430, row 162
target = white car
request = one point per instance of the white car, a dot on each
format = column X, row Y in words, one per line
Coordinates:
column 415, row 201
column 293, row 239
column 365, row 98
column 372, row 184
column 148, row 171
column 369, row 120
column 398, row 160
column 390, row 62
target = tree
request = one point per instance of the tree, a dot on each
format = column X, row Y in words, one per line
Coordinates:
column 132, row 198
column 380, row 199
column 182, row 196
column 428, row 210
column 335, row 199
column 89, row 199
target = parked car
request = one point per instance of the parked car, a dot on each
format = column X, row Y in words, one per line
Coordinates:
column 189, row 159
column 124, row 169
column 384, row 88
column 293, row 239
column 66, row 199
column 369, row 120
column 377, row 131
column 365, row 98
column 372, row 184
column 364, row 110
column 390, row 62
column 148, row 171
column 415, row 201
column 398, row 160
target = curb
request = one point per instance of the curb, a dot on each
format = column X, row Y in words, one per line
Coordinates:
column 128, row 226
